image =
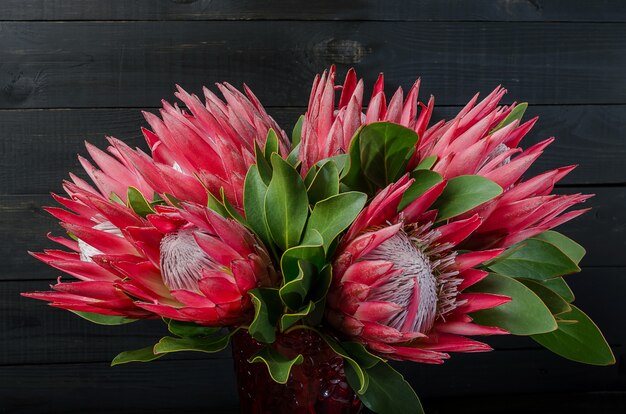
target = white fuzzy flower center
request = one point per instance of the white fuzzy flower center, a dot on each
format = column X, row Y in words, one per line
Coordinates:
column 417, row 282
column 182, row 261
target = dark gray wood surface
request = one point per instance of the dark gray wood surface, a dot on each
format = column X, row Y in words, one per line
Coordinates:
column 76, row 70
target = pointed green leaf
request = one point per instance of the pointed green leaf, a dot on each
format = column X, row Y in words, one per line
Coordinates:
column 170, row 344
column 271, row 144
column 424, row 180
column 296, row 134
column 359, row 379
column 568, row 246
column 279, row 366
column 581, row 342
column 190, row 329
column 387, row 392
column 335, row 214
column 464, row 193
column 525, row 314
column 138, row 355
column 560, row 286
column 172, row 200
column 286, row 204
column 325, row 183
column 116, row 199
column 535, row 259
column 287, row 320
column 231, row 210
column 104, row 319
column 294, row 156
column 312, row 252
column 267, row 310
column 217, row 206
column 516, row 114
column 550, row 298
column 254, row 190
column 295, row 290
column 362, row 356
column 263, row 164
column 427, row 163
column 138, row 203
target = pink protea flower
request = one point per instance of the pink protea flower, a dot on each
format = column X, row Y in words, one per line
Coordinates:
column 470, row 144
column 398, row 281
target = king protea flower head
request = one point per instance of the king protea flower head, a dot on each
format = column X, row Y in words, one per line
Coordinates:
column 481, row 140
column 398, row 281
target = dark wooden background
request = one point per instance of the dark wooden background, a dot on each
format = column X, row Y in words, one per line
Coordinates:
column 75, row 70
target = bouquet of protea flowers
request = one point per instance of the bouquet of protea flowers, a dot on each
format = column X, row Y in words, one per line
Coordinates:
column 371, row 235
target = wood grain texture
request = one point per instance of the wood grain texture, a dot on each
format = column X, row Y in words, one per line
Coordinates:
column 34, row 334
column 134, row 64
column 388, row 10
column 40, row 146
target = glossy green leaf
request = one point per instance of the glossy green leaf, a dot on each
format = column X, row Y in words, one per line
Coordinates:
column 568, row 246
column 138, row 203
column 322, row 283
column 424, row 180
column 335, row 214
column 296, row 134
column 293, row 158
column 516, row 115
column 104, row 319
column 263, row 164
column 267, row 310
column 560, row 286
column 550, row 298
column 279, row 366
column 287, row 320
column 427, row 163
column 231, row 210
column 172, row 200
column 464, row 193
column 138, row 355
column 312, row 252
column 385, row 150
column 362, row 356
column 387, row 392
column 525, row 314
column 581, row 342
column 116, row 199
column 324, row 184
column 217, row 206
column 170, row 344
column 295, row 290
column 254, row 190
column 190, row 329
column 358, row 380
column 286, row 204
column 271, row 144
column 535, row 259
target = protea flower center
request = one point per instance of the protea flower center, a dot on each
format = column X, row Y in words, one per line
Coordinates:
column 183, row 261
column 423, row 288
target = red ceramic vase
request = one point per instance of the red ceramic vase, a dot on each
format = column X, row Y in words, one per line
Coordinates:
column 317, row 386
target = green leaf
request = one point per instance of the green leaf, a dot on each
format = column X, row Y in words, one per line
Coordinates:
column 286, row 203
column 516, row 114
column 295, row 290
column 254, row 190
column 138, row 203
column 324, row 184
column 560, row 286
column 424, row 180
column 172, row 200
column 217, row 206
column 550, row 298
column 138, row 355
column 287, row 320
column 104, row 319
column 116, row 199
column 388, row 392
column 360, row 379
column 568, row 246
column 525, row 314
column 322, row 283
column 267, row 310
column 293, row 157
column 312, row 252
column 190, row 329
column 427, row 163
column 535, row 259
column 362, row 356
column 263, row 164
column 581, row 342
column 335, row 214
column 464, row 193
column 271, row 144
column 279, row 366
column 170, row 344
column 231, row 210
column 296, row 134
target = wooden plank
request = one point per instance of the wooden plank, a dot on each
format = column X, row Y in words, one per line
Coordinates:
column 135, row 64
column 33, row 333
column 209, row 386
column 601, row 231
column 393, row 10
column 40, row 146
